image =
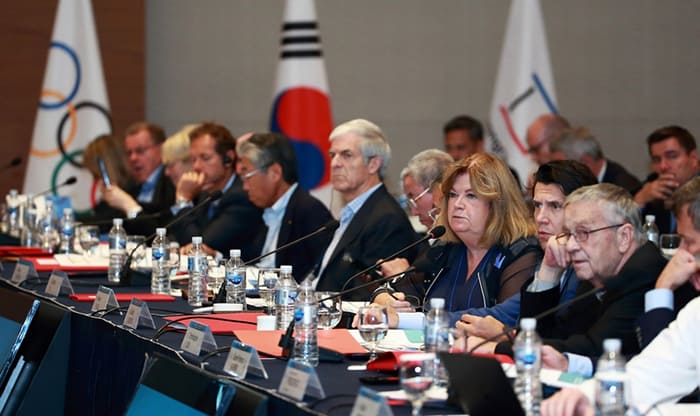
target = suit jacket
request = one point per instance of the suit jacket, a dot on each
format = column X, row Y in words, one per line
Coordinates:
column 154, row 214
column 584, row 326
column 618, row 175
column 378, row 229
column 303, row 215
column 235, row 223
column 655, row 320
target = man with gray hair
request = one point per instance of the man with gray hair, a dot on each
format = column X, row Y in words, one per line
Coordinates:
column 602, row 240
column 420, row 180
column 580, row 145
column 372, row 223
column 541, row 132
column 268, row 167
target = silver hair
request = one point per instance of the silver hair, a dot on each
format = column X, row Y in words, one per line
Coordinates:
column 373, row 143
column 258, row 157
column 576, row 142
column 427, row 166
column 688, row 194
column 618, row 205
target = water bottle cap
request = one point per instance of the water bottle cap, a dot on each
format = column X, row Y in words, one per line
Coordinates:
column 286, row 268
column 650, row 218
column 437, row 303
column 234, row 252
column 160, row 231
column 118, row 221
column 528, row 324
column 67, row 211
column 612, row 345
column 197, row 239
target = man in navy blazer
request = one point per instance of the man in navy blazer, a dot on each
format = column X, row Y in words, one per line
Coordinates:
column 229, row 222
column 372, row 224
column 268, row 168
column 679, row 282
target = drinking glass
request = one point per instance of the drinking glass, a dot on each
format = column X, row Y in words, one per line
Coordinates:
column 669, row 244
column 417, row 374
column 329, row 311
column 267, row 282
column 89, row 238
column 373, row 324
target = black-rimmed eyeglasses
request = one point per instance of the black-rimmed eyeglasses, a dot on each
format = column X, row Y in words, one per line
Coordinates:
column 581, row 236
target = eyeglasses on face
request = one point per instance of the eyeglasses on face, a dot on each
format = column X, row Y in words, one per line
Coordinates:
column 581, row 236
column 413, row 202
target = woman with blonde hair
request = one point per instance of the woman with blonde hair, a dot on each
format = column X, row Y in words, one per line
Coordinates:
column 175, row 153
column 488, row 252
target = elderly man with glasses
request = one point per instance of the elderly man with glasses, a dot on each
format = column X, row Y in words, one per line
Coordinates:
column 603, row 242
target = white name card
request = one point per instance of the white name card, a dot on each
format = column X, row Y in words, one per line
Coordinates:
column 138, row 314
column 104, row 300
column 198, row 337
column 23, row 269
column 370, row 403
column 58, row 283
column 300, row 379
column 243, row 359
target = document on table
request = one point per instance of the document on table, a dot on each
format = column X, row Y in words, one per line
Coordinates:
column 396, row 340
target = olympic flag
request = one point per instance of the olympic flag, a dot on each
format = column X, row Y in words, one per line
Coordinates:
column 524, row 84
column 73, row 107
column 301, row 108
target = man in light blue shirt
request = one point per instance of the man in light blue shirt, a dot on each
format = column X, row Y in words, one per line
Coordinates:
column 268, row 167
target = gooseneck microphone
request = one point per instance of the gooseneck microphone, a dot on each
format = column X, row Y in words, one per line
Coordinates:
column 436, row 232
column 126, row 280
column 70, row 181
column 287, row 339
column 11, row 164
column 330, row 227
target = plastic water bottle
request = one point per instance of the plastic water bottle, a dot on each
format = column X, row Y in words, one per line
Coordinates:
column 528, row 362
column 197, row 266
column 117, row 251
column 13, row 217
column 650, row 229
column 235, row 279
column 160, row 263
column 610, row 380
column 285, row 297
column 436, row 335
column 306, row 325
column 48, row 233
column 67, row 226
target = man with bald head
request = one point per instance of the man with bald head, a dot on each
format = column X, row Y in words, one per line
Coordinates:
column 541, row 132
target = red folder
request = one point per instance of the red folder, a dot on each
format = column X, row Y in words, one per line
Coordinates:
column 334, row 339
column 125, row 297
column 21, row 251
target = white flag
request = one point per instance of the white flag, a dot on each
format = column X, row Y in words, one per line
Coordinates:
column 73, row 107
column 301, row 109
column 524, row 85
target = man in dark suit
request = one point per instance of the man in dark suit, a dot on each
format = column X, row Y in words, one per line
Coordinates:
column 603, row 241
column 224, row 224
column 268, row 167
column 679, row 282
column 580, row 145
column 674, row 159
column 152, row 192
column 372, row 224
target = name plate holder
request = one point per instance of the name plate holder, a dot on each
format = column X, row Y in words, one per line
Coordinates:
column 300, row 379
column 197, row 338
column 243, row 359
column 105, row 300
column 138, row 315
column 58, row 283
column 370, row 403
column 23, row 269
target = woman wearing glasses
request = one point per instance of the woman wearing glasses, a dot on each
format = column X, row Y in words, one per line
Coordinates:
column 489, row 250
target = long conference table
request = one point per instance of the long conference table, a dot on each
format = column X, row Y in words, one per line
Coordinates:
column 105, row 359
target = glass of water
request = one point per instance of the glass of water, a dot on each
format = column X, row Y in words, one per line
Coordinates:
column 89, row 238
column 267, row 282
column 417, row 375
column 373, row 324
column 669, row 244
column 329, row 311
